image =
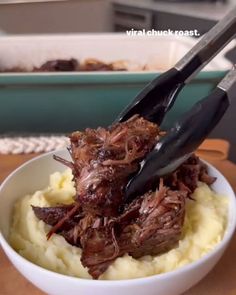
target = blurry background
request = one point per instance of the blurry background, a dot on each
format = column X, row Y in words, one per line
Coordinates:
column 32, row 16
column 98, row 16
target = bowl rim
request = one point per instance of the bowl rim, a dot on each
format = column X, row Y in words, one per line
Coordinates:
column 229, row 231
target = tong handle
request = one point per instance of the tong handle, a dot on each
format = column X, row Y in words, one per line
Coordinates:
column 207, row 48
column 228, row 81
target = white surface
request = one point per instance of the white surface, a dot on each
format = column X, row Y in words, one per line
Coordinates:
column 163, row 52
column 34, row 175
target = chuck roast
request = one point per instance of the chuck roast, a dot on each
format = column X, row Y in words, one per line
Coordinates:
column 104, row 159
column 99, row 221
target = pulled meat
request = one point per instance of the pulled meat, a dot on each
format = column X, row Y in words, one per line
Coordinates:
column 104, row 159
column 93, row 64
column 59, row 65
column 72, row 65
column 186, row 177
column 150, row 225
column 99, row 221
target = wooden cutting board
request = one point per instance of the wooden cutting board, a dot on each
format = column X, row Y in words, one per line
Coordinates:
column 220, row 281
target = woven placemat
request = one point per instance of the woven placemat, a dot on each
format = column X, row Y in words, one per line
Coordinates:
column 32, row 144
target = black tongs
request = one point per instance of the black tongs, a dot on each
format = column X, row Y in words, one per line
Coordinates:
column 157, row 98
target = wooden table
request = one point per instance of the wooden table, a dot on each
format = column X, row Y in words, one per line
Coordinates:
column 220, row 281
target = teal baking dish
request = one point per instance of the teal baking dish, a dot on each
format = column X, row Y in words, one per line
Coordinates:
column 66, row 101
column 61, row 103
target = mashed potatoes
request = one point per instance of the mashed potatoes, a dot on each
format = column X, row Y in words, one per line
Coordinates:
column 204, row 227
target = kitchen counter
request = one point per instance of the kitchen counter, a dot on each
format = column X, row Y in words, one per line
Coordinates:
column 209, row 11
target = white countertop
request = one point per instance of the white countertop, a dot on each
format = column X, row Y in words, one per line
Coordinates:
column 210, row 11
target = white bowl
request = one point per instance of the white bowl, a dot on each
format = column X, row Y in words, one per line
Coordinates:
column 34, row 175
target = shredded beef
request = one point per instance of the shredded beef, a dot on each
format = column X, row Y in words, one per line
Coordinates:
column 154, row 226
column 187, row 176
column 99, row 221
column 72, row 65
column 59, row 65
column 104, row 159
